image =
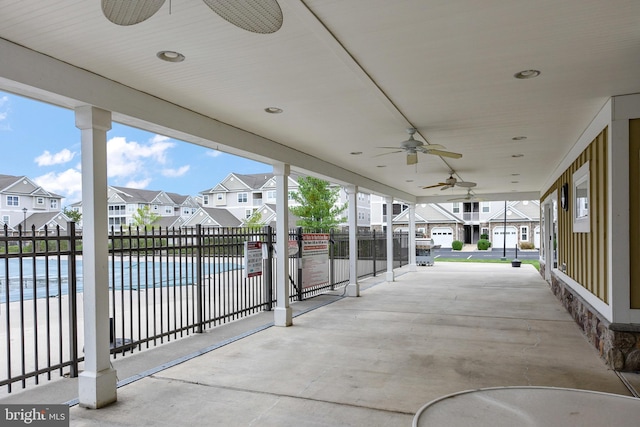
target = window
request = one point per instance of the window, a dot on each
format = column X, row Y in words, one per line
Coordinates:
column 248, row 213
column 5, row 219
column 486, row 207
column 205, row 199
column 155, row 208
column 580, row 200
column 456, row 208
column 242, row 197
column 219, row 197
column 40, row 201
column 524, row 233
column 54, row 203
column 271, row 195
column 292, row 195
column 186, row 211
column 13, row 201
column 168, row 210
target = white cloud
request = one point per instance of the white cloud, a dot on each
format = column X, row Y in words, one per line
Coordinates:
column 175, row 173
column 4, row 114
column 48, row 159
column 127, row 159
column 67, row 183
column 213, row 153
column 140, row 184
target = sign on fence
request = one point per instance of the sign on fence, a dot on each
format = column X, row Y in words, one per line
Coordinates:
column 315, row 259
column 252, row 259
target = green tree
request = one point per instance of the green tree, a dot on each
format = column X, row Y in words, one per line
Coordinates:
column 75, row 216
column 144, row 217
column 318, row 210
column 255, row 221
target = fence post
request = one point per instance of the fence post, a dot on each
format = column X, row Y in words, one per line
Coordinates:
column 267, row 278
column 332, row 274
column 299, row 284
column 199, row 299
column 73, row 305
column 374, row 254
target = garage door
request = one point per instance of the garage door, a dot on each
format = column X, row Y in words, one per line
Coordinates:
column 499, row 237
column 442, row 236
column 536, row 237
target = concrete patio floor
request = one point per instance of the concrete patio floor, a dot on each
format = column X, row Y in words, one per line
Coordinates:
column 368, row 361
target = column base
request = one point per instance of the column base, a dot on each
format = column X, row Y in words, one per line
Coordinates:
column 413, row 267
column 97, row 389
column 353, row 290
column 390, row 276
column 282, row 316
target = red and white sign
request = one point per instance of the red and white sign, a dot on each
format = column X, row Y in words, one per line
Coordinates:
column 315, row 259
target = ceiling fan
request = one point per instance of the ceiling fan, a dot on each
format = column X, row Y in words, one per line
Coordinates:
column 468, row 197
column 412, row 147
column 452, row 182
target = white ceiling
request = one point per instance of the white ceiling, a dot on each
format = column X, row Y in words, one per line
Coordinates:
column 351, row 75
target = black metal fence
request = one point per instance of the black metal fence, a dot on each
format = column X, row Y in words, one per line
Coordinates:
column 163, row 283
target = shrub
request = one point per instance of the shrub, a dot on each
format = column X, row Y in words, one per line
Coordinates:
column 456, row 245
column 527, row 245
column 484, row 236
column 484, row 244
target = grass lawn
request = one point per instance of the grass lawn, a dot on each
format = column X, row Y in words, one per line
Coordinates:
column 533, row 262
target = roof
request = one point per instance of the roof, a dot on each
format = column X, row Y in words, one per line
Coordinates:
column 350, row 77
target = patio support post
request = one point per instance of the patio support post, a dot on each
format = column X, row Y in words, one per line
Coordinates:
column 412, row 238
column 282, row 314
column 97, row 383
column 390, row 275
column 353, row 288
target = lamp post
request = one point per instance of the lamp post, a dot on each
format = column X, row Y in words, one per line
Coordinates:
column 24, row 220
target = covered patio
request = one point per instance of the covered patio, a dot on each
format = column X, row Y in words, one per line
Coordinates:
column 373, row 360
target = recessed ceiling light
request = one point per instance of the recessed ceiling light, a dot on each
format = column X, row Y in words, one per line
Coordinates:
column 355, row 153
column 515, row 174
column 517, row 155
column 409, row 180
column 381, row 166
column 170, row 56
column 273, row 110
column 519, row 138
column 527, row 74
column 515, row 182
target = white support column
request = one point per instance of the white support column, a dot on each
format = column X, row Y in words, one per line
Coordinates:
column 390, row 274
column 282, row 315
column 97, row 383
column 412, row 238
column 353, row 288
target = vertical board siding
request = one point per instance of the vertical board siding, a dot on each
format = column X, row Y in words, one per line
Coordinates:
column 634, row 211
column 585, row 254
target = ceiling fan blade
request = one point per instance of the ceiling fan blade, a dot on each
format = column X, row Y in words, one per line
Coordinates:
column 445, row 187
column 390, row 152
column 443, row 153
column 391, row 148
column 440, row 184
column 128, row 12
column 426, row 148
column 466, row 184
column 412, row 158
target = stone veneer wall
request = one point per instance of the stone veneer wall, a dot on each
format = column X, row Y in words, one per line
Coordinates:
column 618, row 344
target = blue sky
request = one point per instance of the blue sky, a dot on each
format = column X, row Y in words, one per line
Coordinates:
column 41, row 141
